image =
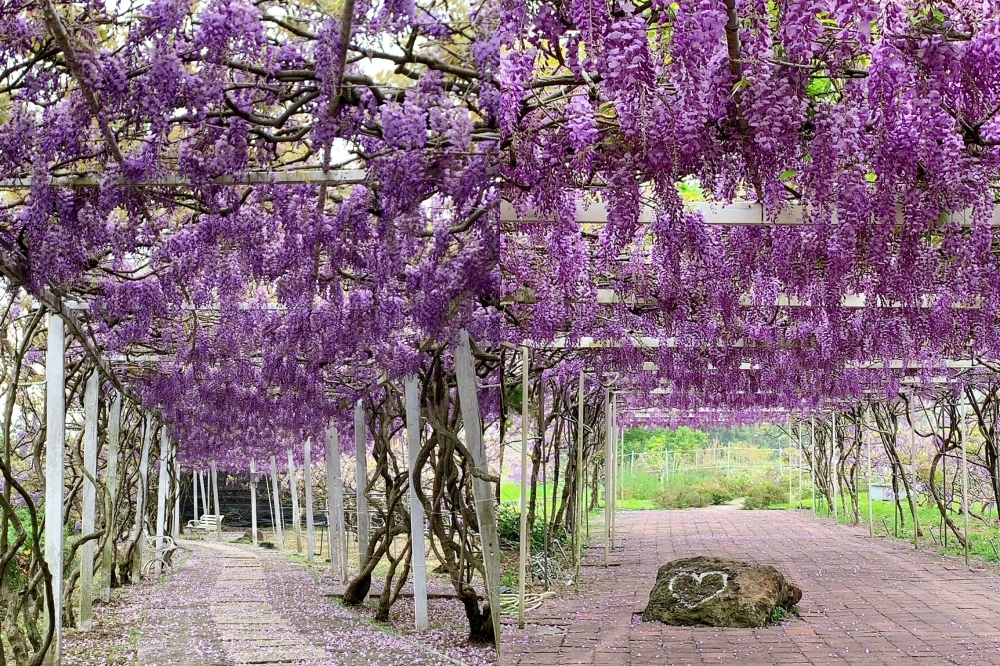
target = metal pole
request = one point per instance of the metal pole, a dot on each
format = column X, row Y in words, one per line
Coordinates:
column 522, row 563
column 965, row 481
column 111, row 479
column 276, row 509
column 89, row 522
column 161, row 493
column 812, row 466
column 609, row 465
column 871, row 511
column 411, row 394
column 293, row 485
column 215, row 495
column 55, row 451
column 335, row 505
column 580, row 508
column 482, row 492
column 308, row 479
column 361, row 463
column 912, row 500
column 833, row 467
column 801, row 459
column 253, row 501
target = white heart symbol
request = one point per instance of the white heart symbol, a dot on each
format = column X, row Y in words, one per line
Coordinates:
column 698, row 578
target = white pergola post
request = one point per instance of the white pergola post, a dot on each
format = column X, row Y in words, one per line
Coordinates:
column 194, row 491
column 418, row 553
column 89, row 522
column 293, row 485
column 161, row 494
column 465, row 375
column 253, row 502
column 276, row 509
column 833, row 466
column 581, row 510
column 335, row 505
column 140, row 512
column 307, row 477
column 215, row 495
column 871, row 514
column 609, row 465
column 55, row 444
column 175, row 478
column 522, row 570
column 812, row 467
column 205, row 510
column 361, row 460
column 111, row 480
column 964, row 432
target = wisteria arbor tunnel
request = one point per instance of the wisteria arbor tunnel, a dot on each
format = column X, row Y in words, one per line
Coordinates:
column 334, row 329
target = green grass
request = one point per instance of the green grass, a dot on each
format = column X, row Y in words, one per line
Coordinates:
column 984, row 538
column 511, row 492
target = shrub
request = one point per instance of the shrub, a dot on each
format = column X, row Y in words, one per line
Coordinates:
column 763, row 494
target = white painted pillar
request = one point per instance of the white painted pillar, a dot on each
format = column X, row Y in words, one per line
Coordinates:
column 294, row 487
column 418, row 552
column 89, row 522
column 581, row 510
column 833, row 467
column 361, row 462
column 964, row 433
column 55, row 444
column 215, row 494
column 276, row 508
column 522, row 564
column 812, row 467
column 161, row 493
column 204, row 493
column 111, row 480
column 140, row 512
column 335, row 503
column 609, row 465
column 465, row 375
column 253, row 501
column 175, row 479
column 194, row 491
column 307, row 478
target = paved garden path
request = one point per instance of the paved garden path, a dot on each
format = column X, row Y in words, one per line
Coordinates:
column 230, row 605
column 865, row 602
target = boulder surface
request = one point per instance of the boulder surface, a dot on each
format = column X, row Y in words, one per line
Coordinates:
column 719, row 593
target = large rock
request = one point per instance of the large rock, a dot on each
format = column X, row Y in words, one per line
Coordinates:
column 719, row 593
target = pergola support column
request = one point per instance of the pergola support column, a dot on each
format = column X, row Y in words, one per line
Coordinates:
column 522, row 572
column 215, row 496
column 418, row 554
column 307, row 478
column 89, row 519
column 276, row 508
column 294, row 487
column 253, row 502
column 55, row 440
column 110, row 513
column 361, row 461
column 161, row 494
column 465, row 373
column 335, row 505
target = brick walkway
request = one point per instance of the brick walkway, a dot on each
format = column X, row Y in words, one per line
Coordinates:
column 865, row 602
column 231, row 605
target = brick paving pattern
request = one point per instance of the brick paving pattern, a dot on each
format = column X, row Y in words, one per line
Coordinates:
column 232, row 605
column 865, row 601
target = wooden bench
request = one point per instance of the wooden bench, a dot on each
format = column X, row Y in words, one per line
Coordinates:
column 207, row 523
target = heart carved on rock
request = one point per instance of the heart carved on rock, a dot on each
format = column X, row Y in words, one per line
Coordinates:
column 692, row 590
